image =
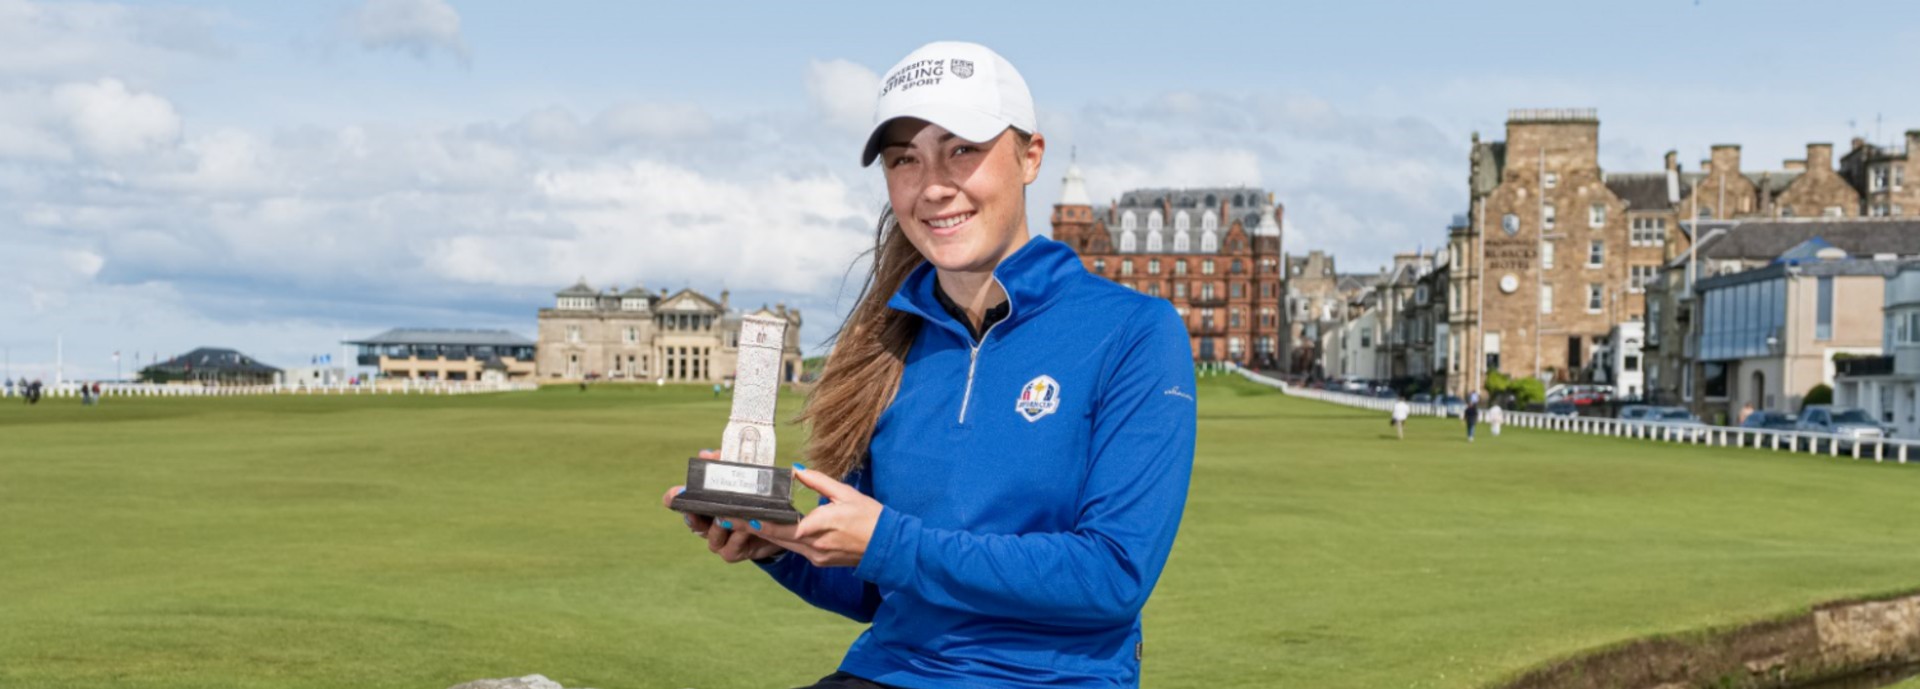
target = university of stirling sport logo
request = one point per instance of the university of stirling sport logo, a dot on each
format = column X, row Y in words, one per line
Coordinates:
column 961, row 68
column 1039, row 397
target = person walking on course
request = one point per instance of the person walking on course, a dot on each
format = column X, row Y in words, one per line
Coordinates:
column 1401, row 410
column 1005, row 520
column 1495, row 416
column 1472, row 416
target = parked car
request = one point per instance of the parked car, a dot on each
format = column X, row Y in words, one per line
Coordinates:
column 1422, row 398
column 1678, row 418
column 1770, row 421
column 1850, row 424
column 1635, row 412
column 1562, row 408
column 1453, row 406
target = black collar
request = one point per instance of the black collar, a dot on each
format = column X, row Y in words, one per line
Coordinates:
column 992, row 316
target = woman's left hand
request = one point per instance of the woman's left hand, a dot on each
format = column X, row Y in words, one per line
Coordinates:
column 834, row 534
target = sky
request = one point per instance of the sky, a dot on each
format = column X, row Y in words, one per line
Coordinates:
column 278, row 177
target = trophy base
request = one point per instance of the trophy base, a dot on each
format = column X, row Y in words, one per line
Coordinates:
column 730, row 489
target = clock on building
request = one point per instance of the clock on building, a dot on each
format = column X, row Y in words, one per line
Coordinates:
column 1509, row 283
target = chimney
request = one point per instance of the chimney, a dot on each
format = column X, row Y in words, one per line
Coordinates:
column 1706, row 166
column 1820, row 157
column 1673, row 160
column 1913, row 142
column 1726, row 159
column 1792, row 165
column 1858, row 143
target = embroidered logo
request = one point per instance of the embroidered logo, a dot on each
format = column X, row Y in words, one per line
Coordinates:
column 1039, row 397
column 962, row 68
column 1175, row 392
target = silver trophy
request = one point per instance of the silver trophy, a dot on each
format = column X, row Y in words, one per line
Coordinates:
column 744, row 482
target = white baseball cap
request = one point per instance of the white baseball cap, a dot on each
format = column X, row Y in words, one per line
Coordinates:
column 965, row 88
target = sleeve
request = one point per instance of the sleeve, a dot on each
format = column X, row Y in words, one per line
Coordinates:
column 1100, row 573
column 834, row 589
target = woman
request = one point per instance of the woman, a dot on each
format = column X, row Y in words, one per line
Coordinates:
column 1001, row 439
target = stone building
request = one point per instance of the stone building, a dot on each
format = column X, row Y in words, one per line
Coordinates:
column 1214, row 252
column 1313, row 299
column 1881, row 173
column 644, row 336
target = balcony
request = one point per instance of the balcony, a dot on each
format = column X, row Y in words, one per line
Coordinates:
column 1863, row 366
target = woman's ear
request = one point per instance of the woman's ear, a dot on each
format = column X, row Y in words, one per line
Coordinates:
column 1030, row 158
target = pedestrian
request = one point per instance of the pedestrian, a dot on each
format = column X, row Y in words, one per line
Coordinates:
column 716, row 391
column 9, row 387
column 1495, row 417
column 1745, row 411
column 96, row 392
column 1401, row 410
column 983, row 544
column 33, row 393
column 1472, row 417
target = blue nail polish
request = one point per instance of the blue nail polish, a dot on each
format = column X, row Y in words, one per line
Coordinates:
column 799, row 467
column 755, row 523
column 728, row 524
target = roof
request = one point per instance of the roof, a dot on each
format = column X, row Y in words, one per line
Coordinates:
column 579, row 289
column 1643, row 191
column 687, row 300
column 216, row 359
column 1765, row 240
column 1843, row 266
column 446, row 336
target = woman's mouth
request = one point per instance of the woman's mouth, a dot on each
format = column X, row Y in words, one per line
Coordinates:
column 948, row 225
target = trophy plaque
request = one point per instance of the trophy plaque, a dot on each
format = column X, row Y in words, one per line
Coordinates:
column 744, row 482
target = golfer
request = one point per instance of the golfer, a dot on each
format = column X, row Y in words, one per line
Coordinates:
column 1400, row 412
column 1002, row 441
column 1495, row 417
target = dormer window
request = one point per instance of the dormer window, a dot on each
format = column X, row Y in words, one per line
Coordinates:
column 1209, row 221
column 1209, row 243
column 1155, row 221
column 1153, row 242
column 1181, row 222
column 1181, row 243
column 1128, row 220
column 1127, row 242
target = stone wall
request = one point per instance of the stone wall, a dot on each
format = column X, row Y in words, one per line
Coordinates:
column 1832, row 640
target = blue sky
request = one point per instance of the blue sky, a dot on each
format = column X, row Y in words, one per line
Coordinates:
column 275, row 176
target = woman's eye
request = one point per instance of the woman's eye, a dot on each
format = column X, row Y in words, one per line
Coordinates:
column 902, row 160
column 957, row 150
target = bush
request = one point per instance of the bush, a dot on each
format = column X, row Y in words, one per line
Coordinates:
column 1820, row 394
column 1528, row 392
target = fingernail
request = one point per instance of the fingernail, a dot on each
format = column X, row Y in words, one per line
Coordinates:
column 799, row 467
column 728, row 524
column 688, row 518
column 682, row 489
column 755, row 523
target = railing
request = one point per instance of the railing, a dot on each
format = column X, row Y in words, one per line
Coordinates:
column 1878, row 449
column 402, row 387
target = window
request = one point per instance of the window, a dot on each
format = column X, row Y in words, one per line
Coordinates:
column 1153, row 289
column 1546, row 299
column 1832, row 212
column 1100, row 266
column 1878, row 210
column 1153, row 242
column 1180, row 222
column 1236, row 267
column 1546, row 254
column 1649, row 231
column 1899, row 177
column 1181, row 243
column 1233, row 318
column 1551, row 180
column 1155, row 221
column 1209, row 221
column 1596, row 296
column 1127, row 244
column 1128, row 221
column 1714, row 375
column 1209, row 242
column 1153, row 267
column 1126, row 268
column 1596, row 215
column 1366, row 337
column 1879, row 178
column 1641, row 276
column 573, row 334
column 1547, row 216
column 1823, row 310
column 1266, row 290
column 1630, row 363
column 632, row 336
column 1206, row 267
column 1179, row 290
column 1206, row 291
column 1596, row 253
column 1180, row 268
column 1239, row 290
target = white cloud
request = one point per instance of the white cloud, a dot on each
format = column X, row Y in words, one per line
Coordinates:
column 843, row 93
column 417, row 27
column 109, row 119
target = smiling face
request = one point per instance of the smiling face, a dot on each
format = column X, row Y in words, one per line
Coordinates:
column 962, row 204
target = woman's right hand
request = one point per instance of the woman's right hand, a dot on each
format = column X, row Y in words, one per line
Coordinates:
column 727, row 537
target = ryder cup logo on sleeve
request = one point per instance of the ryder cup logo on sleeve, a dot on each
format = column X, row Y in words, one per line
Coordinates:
column 1039, row 397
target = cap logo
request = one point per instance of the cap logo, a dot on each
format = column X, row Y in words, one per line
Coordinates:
column 922, row 73
column 962, row 68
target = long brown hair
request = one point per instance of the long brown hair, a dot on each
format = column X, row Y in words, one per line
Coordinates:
column 869, row 353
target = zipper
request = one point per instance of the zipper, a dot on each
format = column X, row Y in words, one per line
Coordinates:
column 973, row 356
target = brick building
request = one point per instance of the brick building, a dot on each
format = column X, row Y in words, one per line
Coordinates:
column 1214, row 252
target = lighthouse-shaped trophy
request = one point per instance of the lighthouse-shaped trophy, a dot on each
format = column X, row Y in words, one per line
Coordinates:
column 744, row 482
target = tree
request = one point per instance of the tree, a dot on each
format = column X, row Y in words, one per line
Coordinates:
column 1820, row 394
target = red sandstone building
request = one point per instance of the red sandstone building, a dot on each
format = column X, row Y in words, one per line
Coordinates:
column 1215, row 253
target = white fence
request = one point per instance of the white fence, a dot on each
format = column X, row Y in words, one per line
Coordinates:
column 1828, row 444
column 402, row 387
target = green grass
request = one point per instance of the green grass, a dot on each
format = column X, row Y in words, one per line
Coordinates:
column 420, row 542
